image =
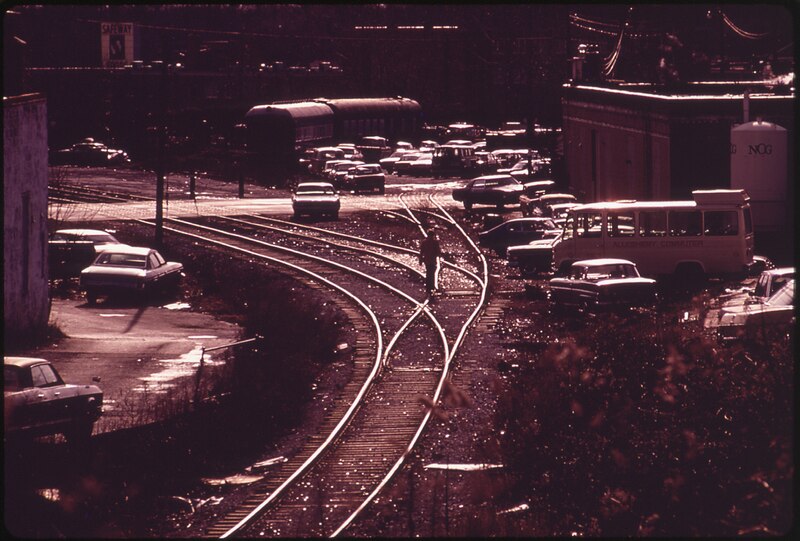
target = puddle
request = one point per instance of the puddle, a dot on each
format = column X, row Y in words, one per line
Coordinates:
column 463, row 467
column 184, row 366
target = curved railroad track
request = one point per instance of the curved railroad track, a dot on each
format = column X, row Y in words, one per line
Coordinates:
column 402, row 359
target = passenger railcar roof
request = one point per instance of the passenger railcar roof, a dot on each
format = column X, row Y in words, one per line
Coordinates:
column 294, row 110
column 371, row 105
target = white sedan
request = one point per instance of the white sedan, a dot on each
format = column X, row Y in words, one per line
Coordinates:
column 129, row 269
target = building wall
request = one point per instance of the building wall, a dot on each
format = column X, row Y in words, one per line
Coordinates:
column 26, row 301
column 626, row 145
column 614, row 152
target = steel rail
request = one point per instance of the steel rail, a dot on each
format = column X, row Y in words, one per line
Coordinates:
column 445, row 374
column 420, row 308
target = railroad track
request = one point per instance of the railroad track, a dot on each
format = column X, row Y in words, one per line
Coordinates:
column 402, row 360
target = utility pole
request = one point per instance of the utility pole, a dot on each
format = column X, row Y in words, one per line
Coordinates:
column 160, row 165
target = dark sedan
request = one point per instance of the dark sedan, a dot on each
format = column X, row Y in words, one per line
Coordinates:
column 497, row 190
column 368, row 177
column 516, row 231
column 37, row 402
column 603, row 282
column 89, row 152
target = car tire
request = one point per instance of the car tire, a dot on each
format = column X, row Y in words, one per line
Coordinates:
column 91, row 296
column 467, row 205
column 382, row 190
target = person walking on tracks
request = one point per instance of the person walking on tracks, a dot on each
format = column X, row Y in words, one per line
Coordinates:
column 429, row 253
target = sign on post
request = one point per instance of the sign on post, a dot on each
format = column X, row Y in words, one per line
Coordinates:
column 116, row 44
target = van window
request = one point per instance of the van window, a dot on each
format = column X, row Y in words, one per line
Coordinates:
column 652, row 223
column 748, row 220
column 589, row 225
column 685, row 223
column 721, row 222
column 620, row 224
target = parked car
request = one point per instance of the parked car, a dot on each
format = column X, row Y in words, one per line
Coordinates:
column 535, row 256
column 351, row 152
column 321, row 156
column 485, row 162
column 374, row 147
column 403, row 165
column 531, row 205
column 603, row 282
column 37, row 402
column 367, row 177
column 71, row 250
column 428, row 145
column 498, row 190
column 752, row 320
column 129, row 269
column 388, row 162
column 89, row 152
column 315, row 199
column 560, row 211
column 453, row 159
column 422, row 165
column 539, row 167
column 768, row 282
column 327, row 169
column 339, row 171
column 507, row 157
column 515, row 231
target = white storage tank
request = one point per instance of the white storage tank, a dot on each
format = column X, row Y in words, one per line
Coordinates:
column 759, row 165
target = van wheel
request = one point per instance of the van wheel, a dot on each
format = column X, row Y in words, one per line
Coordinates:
column 690, row 274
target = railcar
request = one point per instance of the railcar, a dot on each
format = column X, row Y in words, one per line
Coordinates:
column 278, row 133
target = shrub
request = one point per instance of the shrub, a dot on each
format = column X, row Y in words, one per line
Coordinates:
column 632, row 431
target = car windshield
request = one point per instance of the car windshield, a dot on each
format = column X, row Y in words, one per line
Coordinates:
column 122, row 260
column 784, row 297
column 510, row 181
column 315, row 190
column 616, row 270
column 101, row 238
